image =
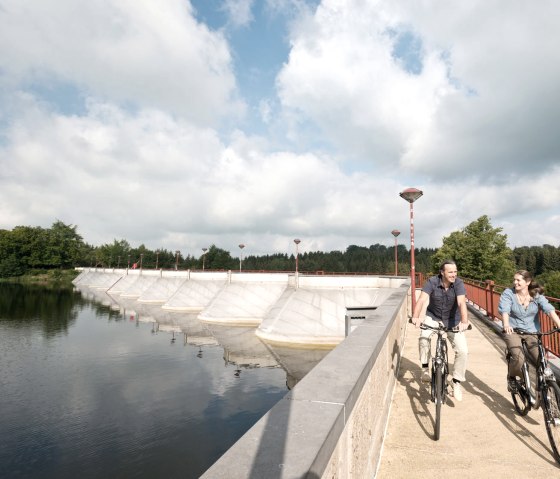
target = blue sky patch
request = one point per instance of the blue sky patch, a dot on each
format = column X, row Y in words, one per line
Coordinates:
column 408, row 51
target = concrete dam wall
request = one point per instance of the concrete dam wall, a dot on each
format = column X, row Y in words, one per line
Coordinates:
column 342, row 334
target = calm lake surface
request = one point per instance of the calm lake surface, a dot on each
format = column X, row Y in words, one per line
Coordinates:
column 90, row 392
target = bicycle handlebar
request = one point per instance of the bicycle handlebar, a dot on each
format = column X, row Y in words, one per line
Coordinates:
column 440, row 327
column 524, row 332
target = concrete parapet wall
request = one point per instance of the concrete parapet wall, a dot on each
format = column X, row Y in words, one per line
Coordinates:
column 351, row 281
column 332, row 423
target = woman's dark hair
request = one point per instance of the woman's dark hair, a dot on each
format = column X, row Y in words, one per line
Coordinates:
column 534, row 287
column 446, row 262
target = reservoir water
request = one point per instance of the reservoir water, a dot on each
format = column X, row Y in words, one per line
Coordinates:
column 90, row 392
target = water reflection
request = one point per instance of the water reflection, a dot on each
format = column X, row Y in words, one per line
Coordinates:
column 100, row 296
column 33, row 306
column 241, row 347
column 107, row 398
column 295, row 361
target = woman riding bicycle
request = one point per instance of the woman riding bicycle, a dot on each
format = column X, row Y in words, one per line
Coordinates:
column 519, row 307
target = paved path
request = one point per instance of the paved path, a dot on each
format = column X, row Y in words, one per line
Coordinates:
column 481, row 436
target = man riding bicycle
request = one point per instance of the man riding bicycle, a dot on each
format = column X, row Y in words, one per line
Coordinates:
column 443, row 300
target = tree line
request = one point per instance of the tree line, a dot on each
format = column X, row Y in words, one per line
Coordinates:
column 480, row 250
column 27, row 248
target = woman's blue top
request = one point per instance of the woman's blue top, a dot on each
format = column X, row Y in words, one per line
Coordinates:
column 521, row 317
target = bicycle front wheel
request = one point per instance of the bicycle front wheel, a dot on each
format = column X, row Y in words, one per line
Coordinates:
column 551, row 411
column 438, row 394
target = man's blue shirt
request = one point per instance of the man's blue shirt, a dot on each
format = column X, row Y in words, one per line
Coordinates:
column 443, row 303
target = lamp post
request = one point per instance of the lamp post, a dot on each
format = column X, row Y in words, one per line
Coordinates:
column 241, row 246
column 396, row 233
column 157, row 259
column 203, row 256
column 411, row 195
column 118, row 262
column 297, row 242
column 141, row 259
column 177, row 252
column 128, row 267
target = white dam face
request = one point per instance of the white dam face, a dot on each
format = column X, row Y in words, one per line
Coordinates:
column 286, row 310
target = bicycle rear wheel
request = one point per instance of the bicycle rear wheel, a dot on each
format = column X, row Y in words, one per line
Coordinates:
column 438, row 394
column 551, row 411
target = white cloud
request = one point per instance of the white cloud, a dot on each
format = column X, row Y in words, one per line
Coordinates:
column 239, row 12
column 139, row 54
column 148, row 156
column 485, row 96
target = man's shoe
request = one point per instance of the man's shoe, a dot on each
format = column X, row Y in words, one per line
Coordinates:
column 511, row 384
column 457, row 391
column 426, row 375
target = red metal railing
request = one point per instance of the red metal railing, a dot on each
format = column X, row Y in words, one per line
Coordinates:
column 485, row 295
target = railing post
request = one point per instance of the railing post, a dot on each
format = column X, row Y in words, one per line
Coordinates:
column 490, row 298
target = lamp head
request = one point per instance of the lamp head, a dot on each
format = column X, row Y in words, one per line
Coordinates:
column 411, row 194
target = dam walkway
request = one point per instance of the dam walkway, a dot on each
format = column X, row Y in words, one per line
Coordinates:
column 481, row 436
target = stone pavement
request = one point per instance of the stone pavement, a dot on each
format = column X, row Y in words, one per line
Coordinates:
column 482, row 436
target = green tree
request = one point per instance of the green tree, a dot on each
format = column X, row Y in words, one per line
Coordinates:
column 10, row 265
column 115, row 254
column 357, row 258
column 217, row 258
column 26, row 247
column 551, row 283
column 63, row 245
column 480, row 251
column 551, row 258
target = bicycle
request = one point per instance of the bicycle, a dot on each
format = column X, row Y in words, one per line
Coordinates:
column 546, row 392
column 439, row 371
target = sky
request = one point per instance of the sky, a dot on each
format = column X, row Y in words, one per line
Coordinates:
column 182, row 124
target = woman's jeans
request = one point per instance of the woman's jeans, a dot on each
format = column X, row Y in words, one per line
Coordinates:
column 458, row 343
column 513, row 343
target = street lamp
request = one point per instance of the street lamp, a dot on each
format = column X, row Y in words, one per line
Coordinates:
column 396, row 233
column 157, row 259
column 177, row 252
column 141, row 258
column 411, row 195
column 297, row 242
column 203, row 256
column 128, row 267
column 241, row 246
